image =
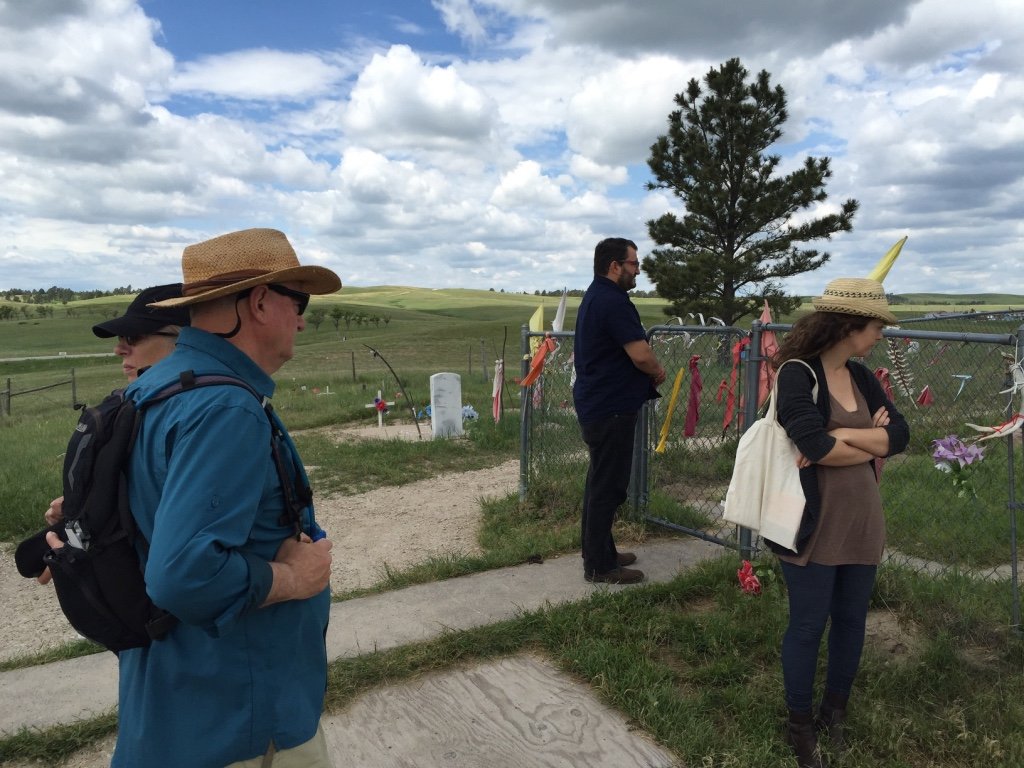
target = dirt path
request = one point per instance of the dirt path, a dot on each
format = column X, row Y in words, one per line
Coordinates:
column 399, row 526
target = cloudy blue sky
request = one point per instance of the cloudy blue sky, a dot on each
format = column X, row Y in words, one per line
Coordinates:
column 487, row 143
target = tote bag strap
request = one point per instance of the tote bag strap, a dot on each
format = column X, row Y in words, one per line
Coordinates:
column 770, row 413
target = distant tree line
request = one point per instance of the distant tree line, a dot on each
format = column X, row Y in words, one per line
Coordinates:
column 578, row 292
column 57, row 295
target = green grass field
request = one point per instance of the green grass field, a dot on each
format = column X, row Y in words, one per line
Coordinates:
column 694, row 662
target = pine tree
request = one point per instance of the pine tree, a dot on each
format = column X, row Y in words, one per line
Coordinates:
column 739, row 235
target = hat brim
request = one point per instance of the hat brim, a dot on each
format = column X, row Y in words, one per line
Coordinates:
column 824, row 306
column 313, row 280
column 128, row 325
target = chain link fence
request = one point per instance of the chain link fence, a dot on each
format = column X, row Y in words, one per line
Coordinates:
column 941, row 380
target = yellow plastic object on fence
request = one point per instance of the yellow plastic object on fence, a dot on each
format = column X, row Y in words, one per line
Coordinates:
column 663, row 438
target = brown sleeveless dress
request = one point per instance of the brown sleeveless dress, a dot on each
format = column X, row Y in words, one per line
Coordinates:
column 851, row 526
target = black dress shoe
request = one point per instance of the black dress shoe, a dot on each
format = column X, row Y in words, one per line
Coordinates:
column 625, row 558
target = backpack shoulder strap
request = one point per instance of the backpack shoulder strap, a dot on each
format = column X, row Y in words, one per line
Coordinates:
column 189, row 380
column 296, row 497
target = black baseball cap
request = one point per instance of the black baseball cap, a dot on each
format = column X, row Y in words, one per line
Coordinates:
column 140, row 319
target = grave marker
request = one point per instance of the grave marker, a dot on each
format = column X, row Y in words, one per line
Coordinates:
column 382, row 406
column 445, row 405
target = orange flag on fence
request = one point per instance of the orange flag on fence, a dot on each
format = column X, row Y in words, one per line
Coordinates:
column 537, row 365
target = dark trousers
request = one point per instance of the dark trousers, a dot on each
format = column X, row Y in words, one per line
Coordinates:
column 610, row 443
column 817, row 593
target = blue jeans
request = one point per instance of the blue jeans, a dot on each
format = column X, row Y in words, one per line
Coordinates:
column 817, row 593
column 610, row 443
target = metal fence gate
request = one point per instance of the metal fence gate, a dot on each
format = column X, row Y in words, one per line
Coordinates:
column 942, row 380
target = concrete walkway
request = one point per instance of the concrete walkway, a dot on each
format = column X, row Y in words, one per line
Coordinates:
column 65, row 691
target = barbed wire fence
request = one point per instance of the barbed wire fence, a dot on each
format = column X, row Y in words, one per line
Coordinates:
column 7, row 394
column 942, row 381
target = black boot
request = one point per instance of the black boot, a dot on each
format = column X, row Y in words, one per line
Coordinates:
column 803, row 739
column 830, row 720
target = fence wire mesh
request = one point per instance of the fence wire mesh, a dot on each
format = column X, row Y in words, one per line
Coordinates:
column 942, row 379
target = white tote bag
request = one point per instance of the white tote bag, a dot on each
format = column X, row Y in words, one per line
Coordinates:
column 764, row 493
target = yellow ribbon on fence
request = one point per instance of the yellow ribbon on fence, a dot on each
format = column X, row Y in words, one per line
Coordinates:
column 663, row 439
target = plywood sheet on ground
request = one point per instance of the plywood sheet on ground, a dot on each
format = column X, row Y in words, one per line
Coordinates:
column 515, row 712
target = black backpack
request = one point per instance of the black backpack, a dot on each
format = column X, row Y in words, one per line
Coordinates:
column 97, row 574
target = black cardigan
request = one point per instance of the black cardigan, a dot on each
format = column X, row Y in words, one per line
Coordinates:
column 805, row 422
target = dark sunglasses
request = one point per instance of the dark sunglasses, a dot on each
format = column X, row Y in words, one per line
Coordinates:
column 134, row 340
column 301, row 299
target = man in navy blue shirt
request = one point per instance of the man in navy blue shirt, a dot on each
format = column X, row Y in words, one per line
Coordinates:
column 616, row 373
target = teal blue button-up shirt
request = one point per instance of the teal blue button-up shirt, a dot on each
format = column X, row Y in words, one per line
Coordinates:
column 232, row 676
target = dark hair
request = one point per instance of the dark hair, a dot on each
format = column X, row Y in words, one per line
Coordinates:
column 608, row 250
column 814, row 333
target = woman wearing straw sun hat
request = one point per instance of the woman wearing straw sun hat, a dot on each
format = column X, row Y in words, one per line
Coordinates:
column 840, row 435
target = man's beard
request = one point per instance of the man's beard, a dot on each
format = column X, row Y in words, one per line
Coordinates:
column 627, row 281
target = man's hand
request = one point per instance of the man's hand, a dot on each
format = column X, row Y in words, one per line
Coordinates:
column 55, row 513
column 642, row 355
column 55, row 543
column 301, row 569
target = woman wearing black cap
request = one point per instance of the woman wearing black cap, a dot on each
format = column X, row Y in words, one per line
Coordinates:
column 145, row 335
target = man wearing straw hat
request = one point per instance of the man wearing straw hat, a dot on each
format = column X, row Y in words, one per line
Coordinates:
column 240, row 680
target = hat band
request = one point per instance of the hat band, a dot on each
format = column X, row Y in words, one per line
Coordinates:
column 852, row 295
column 191, row 289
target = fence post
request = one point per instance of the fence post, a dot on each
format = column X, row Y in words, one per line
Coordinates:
column 353, row 366
column 74, row 391
column 483, row 361
column 1012, row 504
column 524, row 414
column 7, row 399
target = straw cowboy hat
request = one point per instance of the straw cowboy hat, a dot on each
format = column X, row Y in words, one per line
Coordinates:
column 238, row 260
column 855, row 296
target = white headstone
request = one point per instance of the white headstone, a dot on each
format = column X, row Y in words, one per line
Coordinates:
column 445, row 405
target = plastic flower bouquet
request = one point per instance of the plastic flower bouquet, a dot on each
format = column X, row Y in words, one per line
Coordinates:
column 958, row 459
column 749, row 582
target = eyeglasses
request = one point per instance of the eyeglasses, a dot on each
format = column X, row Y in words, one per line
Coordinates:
column 133, row 341
column 631, row 262
column 301, row 299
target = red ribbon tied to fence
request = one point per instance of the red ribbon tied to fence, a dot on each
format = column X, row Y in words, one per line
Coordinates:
column 882, row 374
column 730, row 399
column 925, row 398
